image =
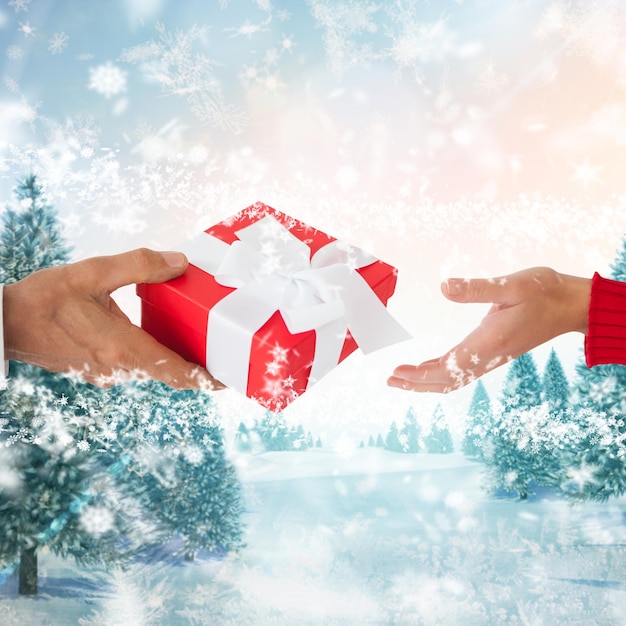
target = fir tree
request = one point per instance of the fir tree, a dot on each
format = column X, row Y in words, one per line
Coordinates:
column 370, row 442
column 243, row 440
column 48, row 498
column 555, row 385
column 511, row 462
column 392, row 441
column 51, row 476
column 439, row 439
column 188, row 487
column 297, row 438
column 31, row 238
column 409, row 435
column 273, row 432
column 478, row 424
column 380, row 443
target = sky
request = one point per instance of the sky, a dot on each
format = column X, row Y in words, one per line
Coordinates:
column 467, row 138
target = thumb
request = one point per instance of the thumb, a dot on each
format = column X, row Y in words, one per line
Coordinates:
column 136, row 266
column 475, row 289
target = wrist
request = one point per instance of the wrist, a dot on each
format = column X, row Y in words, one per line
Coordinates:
column 578, row 302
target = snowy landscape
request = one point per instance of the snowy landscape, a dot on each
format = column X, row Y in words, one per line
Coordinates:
column 373, row 538
column 449, row 138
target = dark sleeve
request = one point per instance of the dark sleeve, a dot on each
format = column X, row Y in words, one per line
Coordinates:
column 606, row 335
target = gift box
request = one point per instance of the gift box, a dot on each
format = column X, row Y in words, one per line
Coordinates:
column 269, row 304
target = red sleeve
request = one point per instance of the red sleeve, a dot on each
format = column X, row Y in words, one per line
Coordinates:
column 606, row 335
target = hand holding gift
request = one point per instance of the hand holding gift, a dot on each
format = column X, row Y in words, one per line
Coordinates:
column 63, row 319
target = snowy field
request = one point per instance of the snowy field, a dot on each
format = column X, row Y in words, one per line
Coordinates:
column 374, row 538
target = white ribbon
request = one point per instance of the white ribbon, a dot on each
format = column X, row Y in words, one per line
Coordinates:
column 272, row 270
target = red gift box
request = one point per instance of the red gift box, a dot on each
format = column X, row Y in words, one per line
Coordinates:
column 193, row 314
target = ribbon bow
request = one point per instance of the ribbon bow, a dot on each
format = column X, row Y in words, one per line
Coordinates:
column 272, row 270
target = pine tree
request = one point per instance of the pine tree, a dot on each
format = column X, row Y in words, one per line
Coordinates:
column 51, row 476
column 188, row 487
column 31, row 238
column 370, row 442
column 555, row 385
column 511, row 462
column 392, row 441
column 409, row 435
column 439, row 439
column 273, row 432
column 243, row 440
column 380, row 443
column 48, row 499
column 298, row 438
column 478, row 424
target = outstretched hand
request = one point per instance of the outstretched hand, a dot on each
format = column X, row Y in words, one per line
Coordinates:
column 63, row 319
column 528, row 308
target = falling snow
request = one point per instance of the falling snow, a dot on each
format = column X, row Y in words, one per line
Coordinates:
column 454, row 138
column 108, row 80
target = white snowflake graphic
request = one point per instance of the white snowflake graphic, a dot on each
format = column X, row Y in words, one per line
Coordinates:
column 108, row 80
column 27, row 30
column 96, row 520
column 57, row 43
column 19, row 5
column 15, row 53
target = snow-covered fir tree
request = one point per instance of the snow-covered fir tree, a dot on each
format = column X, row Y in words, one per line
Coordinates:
column 478, row 424
column 31, row 237
column 511, row 462
column 272, row 434
column 40, row 433
column 178, row 470
column 409, row 435
column 47, row 496
column 392, row 440
column 555, row 385
column 243, row 439
column 438, row 440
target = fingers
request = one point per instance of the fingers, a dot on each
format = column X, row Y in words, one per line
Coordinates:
column 142, row 356
column 495, row 290
column 447, row 373
column 137, row 266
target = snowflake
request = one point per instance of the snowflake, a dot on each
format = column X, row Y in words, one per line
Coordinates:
column 273, row 368
column 287, row 43
column 279, row 353
column 57, row 43
column 20, row 5
column 586, row 173
column 83, row 445
column 27, row 29
column 96, row 520
column 492, row 83
column 62, row 400
column 15, row 53
column 11, row 84
column 108, row 80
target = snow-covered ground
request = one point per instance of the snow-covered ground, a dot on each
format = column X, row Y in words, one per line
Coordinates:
column 371, row 538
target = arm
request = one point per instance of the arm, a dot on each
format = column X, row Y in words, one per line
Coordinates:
column 63, row 319
column 528, row 308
